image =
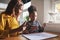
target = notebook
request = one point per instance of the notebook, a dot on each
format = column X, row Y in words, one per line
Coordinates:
column 39, row 36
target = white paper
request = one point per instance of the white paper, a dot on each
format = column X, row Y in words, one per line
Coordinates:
column 39, row 36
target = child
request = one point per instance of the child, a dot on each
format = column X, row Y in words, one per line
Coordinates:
column 33, row 26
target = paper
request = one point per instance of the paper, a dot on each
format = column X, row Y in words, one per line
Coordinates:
column 39, row 36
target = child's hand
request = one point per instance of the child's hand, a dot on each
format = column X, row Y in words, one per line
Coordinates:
column 44, row 25
column 33, row 28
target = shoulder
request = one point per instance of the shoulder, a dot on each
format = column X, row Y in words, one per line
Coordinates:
column 37, row 21
column 2, row 15
column 29, row 22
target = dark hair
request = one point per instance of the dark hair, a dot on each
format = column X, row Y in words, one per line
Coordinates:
column 17, row 7
column 31, row 9
column 9, row 9
column 26, row 1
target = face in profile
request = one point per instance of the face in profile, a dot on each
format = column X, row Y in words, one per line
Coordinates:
column 18, row 9
column 33, row 16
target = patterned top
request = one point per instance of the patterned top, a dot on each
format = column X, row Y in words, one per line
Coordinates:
column 35, row 24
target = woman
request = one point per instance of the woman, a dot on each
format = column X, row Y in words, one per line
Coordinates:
column 17, row 9
column 8, row 22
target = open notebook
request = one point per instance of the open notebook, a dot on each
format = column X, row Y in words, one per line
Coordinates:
column 39, row 36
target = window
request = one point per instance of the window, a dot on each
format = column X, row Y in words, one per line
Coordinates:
column 25, row 13
column 55, row 14
column 57, row 10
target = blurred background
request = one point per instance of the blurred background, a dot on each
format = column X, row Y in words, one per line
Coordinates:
column 48, row 12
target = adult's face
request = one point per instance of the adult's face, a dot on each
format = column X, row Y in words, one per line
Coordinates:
column 20, row 9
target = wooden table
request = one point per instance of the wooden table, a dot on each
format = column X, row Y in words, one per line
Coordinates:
column 15, row 38
column 23, row 38
column 55, row 38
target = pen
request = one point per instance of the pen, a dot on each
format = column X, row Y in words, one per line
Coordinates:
column 25, row 37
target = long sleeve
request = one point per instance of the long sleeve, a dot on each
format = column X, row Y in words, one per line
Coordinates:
column 27, row 30
column 41, row 29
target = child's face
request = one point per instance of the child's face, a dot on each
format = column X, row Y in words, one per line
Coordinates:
column 33, row 16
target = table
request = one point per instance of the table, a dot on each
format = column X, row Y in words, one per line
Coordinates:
column 23, row 38
column 55, row 38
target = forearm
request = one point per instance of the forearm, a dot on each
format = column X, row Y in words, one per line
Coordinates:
column 25, row 32
column 16, row 30
column 41, row 29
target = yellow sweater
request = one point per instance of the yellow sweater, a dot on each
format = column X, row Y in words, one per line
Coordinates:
column 13, row 23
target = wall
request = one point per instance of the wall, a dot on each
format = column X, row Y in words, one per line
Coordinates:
column 47, row 8
column 43, row 7
column 4, row 1
column 54, row 27
column 40, row 9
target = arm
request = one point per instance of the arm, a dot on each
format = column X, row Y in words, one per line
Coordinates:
column 41, row 29
column 26, row 31
column 16, row 30
column 28, row 28
column 20, row 28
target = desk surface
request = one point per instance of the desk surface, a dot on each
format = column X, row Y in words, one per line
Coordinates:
column 23, row 38
column 56, row 38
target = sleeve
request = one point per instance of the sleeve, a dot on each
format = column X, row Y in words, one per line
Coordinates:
column 1, row 27
column 1, row 22
column 27, row 30
column 41, row 29
column 13, row 23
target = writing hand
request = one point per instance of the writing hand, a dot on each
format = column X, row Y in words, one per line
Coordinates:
column 33, row 28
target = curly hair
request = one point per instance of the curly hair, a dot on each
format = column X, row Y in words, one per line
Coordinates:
column 31, row 9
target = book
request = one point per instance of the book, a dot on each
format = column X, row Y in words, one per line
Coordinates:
column 39, row 36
